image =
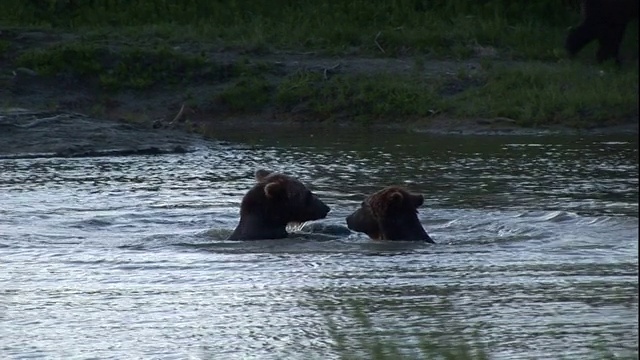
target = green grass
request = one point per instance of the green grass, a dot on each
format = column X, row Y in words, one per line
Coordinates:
column 4, row 47
column 530, row 94
column 130, row 67
column 127, row 68
column 247, row 94
column 536, row 94
column 386, row 28
column 364, row 96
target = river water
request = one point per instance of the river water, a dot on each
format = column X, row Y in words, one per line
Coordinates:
column 125, row 257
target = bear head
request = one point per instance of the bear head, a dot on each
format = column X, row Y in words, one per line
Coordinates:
column 390, row 214
column 273, row 202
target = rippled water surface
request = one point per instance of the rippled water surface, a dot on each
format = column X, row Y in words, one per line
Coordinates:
column 125, row 257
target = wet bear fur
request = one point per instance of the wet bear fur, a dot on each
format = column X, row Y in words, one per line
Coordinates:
column 606, row 21
column 273, row 202
column 390, row 214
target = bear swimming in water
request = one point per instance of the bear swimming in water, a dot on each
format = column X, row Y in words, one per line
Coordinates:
column 273, row 202
column 390, row 214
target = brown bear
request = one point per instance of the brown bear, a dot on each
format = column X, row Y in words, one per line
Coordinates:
column 390, row 214
column 273, row 202
column 606, row 21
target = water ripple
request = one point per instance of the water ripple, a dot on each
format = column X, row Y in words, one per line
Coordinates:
column 536, row 254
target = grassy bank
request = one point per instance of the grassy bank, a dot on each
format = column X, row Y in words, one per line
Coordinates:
column 388, row 28
column 391, row 62
column 529, row 94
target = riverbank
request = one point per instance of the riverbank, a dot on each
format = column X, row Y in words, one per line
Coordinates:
column 195, row 78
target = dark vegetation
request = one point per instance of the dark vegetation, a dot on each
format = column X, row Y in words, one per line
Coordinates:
column 372, row 62
column 606, row 21
column 403, row 27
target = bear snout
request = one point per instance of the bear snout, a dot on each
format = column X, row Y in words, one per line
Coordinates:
column 359, row 221
column 316, row 209
column 349, row 221
column 324, row 209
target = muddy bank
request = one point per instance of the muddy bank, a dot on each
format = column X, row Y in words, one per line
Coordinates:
column 34, row 134
column 30, row 134
column 435, row 126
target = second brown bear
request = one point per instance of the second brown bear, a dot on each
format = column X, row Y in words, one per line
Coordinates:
column 390, row 214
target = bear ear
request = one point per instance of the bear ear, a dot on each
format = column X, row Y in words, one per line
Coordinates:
column 275, row 190
column 417, row 200
column 396, row 197
column 261, row 174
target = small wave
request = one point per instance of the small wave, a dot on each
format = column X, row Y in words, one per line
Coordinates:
column 155, row 266
column 597, row 220
column 560, row 216
column 614, row 142
column 215, row 233
column 393, row 248
column 64, row 241
column 132, row 247
column 552, row 216
column 526, row 228
column 157, row 241
column 87, row 262
column 91, row 223
column 565, row 216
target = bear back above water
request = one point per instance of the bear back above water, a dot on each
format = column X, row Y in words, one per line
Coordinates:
column 273, row 202
column 390, row 214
